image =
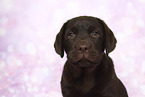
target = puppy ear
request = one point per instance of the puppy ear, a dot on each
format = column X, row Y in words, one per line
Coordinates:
column 58, row 45
column 110, row 40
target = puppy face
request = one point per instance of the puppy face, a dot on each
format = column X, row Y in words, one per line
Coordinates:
column 84, row 40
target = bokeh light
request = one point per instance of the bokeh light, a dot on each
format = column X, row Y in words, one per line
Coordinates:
column 29, row 66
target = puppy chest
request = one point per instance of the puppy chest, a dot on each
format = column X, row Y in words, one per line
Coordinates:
column 85, row 85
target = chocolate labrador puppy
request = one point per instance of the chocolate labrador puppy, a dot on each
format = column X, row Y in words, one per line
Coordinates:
column 89, row 71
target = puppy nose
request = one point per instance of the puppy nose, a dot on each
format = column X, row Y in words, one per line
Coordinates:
column 83, row 48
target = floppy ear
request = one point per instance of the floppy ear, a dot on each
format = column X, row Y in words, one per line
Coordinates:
column 58, row 45
column 110, row 40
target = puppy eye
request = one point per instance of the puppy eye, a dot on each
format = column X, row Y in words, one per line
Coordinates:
column 71, row 35
column 95, row 34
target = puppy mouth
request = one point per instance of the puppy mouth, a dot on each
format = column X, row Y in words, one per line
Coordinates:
column 83, row 60
column 85, row 63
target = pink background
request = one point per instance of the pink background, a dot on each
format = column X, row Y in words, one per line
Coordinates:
column 29, row 66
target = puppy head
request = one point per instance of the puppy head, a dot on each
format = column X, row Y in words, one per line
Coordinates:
column 84, row 40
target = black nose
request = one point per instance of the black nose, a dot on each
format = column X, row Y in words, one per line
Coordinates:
column 83, row 48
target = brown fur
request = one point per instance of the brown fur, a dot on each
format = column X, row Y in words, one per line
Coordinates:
column 88, row 72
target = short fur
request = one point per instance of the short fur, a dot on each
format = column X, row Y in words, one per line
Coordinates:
column 89, row 71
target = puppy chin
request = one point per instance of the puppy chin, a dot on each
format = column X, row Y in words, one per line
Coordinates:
column 85, row 63
column 84, row 59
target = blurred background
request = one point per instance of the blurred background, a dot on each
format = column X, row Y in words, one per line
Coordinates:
column 29, row 66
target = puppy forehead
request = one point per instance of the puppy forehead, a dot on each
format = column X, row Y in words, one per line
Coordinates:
column 83, row 22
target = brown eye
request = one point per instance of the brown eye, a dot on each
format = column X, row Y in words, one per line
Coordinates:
column 71, row 35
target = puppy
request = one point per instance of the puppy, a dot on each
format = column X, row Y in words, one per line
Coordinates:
column 88, row 71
